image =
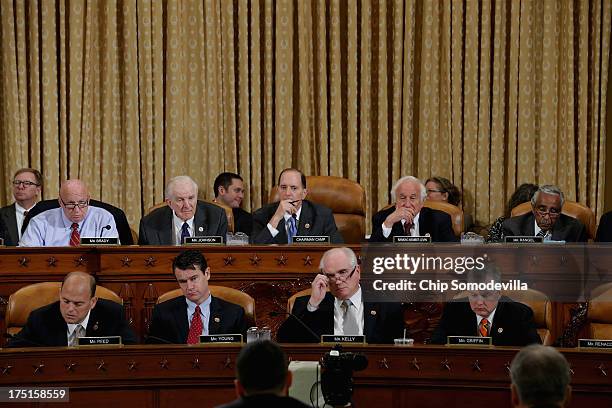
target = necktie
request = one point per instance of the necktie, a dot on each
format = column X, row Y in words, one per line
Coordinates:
column 483, row 328
column 195, row 328
column 75, row 237
column 25, row 213
column 78, row 331
column 184, row 232
column 407, row 227
column 291, row 228
column 542, row 233
column 349, row 320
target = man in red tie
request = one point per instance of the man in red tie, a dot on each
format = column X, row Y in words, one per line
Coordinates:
column 185, row 318
column 487, row 314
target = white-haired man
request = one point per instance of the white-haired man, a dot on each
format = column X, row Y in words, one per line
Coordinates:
column 409, row 217
column 184, row 216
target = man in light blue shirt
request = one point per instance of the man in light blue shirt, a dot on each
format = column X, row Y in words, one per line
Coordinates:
column 74, row 219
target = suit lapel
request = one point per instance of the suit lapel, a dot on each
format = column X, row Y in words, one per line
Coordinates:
column 10, row 219
column 165, row 234
column 281, row 238
column 559, row 229
column 370, row 318
column 180, row 318
column 216, row 317
column 529, row 225
column 425, row 222
column 199, row 221
column 306, row 219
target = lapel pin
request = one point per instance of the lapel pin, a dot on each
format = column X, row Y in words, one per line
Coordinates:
column 95, row 326
column 217, row 320
column 307, row 226
column 373, row 312
column 200, row 229
column 500, row 330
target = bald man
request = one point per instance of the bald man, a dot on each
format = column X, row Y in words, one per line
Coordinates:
column 77, row 313
column 64, row 226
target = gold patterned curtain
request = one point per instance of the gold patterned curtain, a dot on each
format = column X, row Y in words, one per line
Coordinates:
column 127, row 94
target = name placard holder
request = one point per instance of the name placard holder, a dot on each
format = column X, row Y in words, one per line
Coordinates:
column 469, row 341
column 408, row 239
column 100, row 341
column 311, row 239
column 204, row 240
column 221, row 339
column 333, row 339
column 89, row 241
column 595, row 343
column 523, row 239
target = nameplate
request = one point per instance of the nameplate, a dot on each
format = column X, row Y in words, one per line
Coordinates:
column 407, row 239
column 99, row 241
column 311, row 239
column 204, row 240
column 221, row 338
column 523, row 239
column 333, row 338
column 469, row 341
column 100, row 341
column 594, row 343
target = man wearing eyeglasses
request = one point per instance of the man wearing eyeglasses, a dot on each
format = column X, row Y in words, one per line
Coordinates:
column 546, row 220
column 336, row 306
column 487, row 314
column 27, row 184
column 64, row 226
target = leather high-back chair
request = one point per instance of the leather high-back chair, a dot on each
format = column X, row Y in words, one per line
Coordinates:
column 455, row 213
column 346, row 198
column 31, row 297
column 599, row 313
column 123, row 227
column 571, row 208
column 291, row 300
column 223, row 292
column 540, row 305
column 228, row 212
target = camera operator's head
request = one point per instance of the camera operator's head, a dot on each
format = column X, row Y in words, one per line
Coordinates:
column 261, row 368
column 339, row 267
column 540, row 378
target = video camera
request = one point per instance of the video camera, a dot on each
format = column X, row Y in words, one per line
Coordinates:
column 337, row 375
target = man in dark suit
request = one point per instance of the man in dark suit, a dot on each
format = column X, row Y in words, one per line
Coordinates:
column 183, row 319
column 487, row 314
column 27, row 185
column 78, row 313
column 229, row 190
column 546, row 220
column 409, row 217
column 279, row 222
column 262, row 378
column 184, row 216
column 342, row 310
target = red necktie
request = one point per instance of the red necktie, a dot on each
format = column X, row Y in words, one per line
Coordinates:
column 195, row 329
column 75, row 237
column 483, row 329
column 407, row 228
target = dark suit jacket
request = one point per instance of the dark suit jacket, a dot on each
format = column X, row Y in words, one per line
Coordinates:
column 169, row 320
column 123, row 227
column 566, row 228
column 8, row 225
column 383, row 322
column 513, row 323
column 314, row 220
column 243, row 221
column 265, row 400
column 604, row 230
column 46, row 326
column 433, row 222
column 157, row 228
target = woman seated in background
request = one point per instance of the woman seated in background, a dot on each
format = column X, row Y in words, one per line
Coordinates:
column 441, row 189
column 522, row 194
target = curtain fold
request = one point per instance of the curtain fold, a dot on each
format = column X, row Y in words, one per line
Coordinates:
column 127, row 94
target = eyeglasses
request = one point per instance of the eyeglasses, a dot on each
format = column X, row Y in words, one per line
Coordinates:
column 341, row 275
column 483, row 296
column 431, row 190
column 551, row 212
column 72, row 206
column 25, row 183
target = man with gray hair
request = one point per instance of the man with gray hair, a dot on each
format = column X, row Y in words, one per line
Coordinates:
column 408, row 216
column 546, row 220
column 336, row 306
column 540, row 378
column 183, row 216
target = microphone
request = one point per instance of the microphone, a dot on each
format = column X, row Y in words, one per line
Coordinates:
column 158, row 339
column 300, row 321
column 106, row 227
column 18, row 338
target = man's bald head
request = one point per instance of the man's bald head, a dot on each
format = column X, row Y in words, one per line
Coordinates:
column 77, row 296
column 74, row 199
